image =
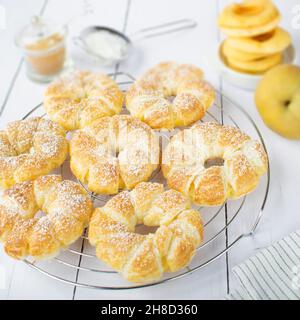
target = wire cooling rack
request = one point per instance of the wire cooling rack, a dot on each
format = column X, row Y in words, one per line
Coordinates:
column 224, row 226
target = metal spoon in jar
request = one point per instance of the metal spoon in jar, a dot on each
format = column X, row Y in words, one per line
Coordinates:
column 112, row 46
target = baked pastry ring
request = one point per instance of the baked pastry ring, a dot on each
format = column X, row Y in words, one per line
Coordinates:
column 249, row 18
column 256, row 66
column 142, row 258
column 148, row 98
column 77, row 99
column 25, row 232
column 30, row 148
column 266, row 44
column 211, row 163
column 114, row 153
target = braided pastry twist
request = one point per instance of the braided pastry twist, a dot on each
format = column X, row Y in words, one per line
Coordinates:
column 27, row 232
column 30, row 148
column 148, row 98
column 190, row 163
column 78, row 98
column 114, row 153
column 141, row 258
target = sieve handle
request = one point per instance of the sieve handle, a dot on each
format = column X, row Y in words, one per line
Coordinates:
column 162, row 29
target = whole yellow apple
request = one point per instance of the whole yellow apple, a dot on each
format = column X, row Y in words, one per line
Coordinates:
column 277, row 99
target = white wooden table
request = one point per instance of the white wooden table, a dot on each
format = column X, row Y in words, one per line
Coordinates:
column 18, row 95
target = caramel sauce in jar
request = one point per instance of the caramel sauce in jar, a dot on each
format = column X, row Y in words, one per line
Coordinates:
column 44, row 47
column 47, row 55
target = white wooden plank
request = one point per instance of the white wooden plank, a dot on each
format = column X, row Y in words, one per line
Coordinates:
column 194, row 46
column 10, row 58
column 191, row 46
column 11, row 55
column 26, row 94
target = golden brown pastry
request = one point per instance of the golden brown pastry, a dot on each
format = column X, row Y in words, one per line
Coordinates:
column 26, row 232
column 78, row 98
column 30, row 148
column 210, row 163
column 114, row 153
column 249, row 18
column 150, row 98
column 142, row 258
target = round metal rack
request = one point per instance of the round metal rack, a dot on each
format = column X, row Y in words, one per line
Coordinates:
column 224, row 226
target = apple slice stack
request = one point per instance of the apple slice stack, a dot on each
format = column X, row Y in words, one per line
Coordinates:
column 254, row 41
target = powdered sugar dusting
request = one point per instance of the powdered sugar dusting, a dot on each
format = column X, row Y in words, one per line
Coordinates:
column 67, row 208
column 82, row 90
column 117, row 150
column 37, row 143
column 148, row 100
column 144, row 255
column 191, row 149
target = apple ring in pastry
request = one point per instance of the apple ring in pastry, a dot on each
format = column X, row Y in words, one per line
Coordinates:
column 30, row 148
column 170, row 95
column 39, row 218
column 114, row 153
column 78, row 98
column 211, row 163
column 145, row 257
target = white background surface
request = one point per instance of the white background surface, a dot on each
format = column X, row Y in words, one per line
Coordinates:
column 18, row 95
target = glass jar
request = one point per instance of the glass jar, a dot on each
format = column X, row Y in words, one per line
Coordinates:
column 44, row 48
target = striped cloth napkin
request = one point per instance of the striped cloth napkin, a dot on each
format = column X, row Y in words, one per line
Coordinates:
column 271, row 274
